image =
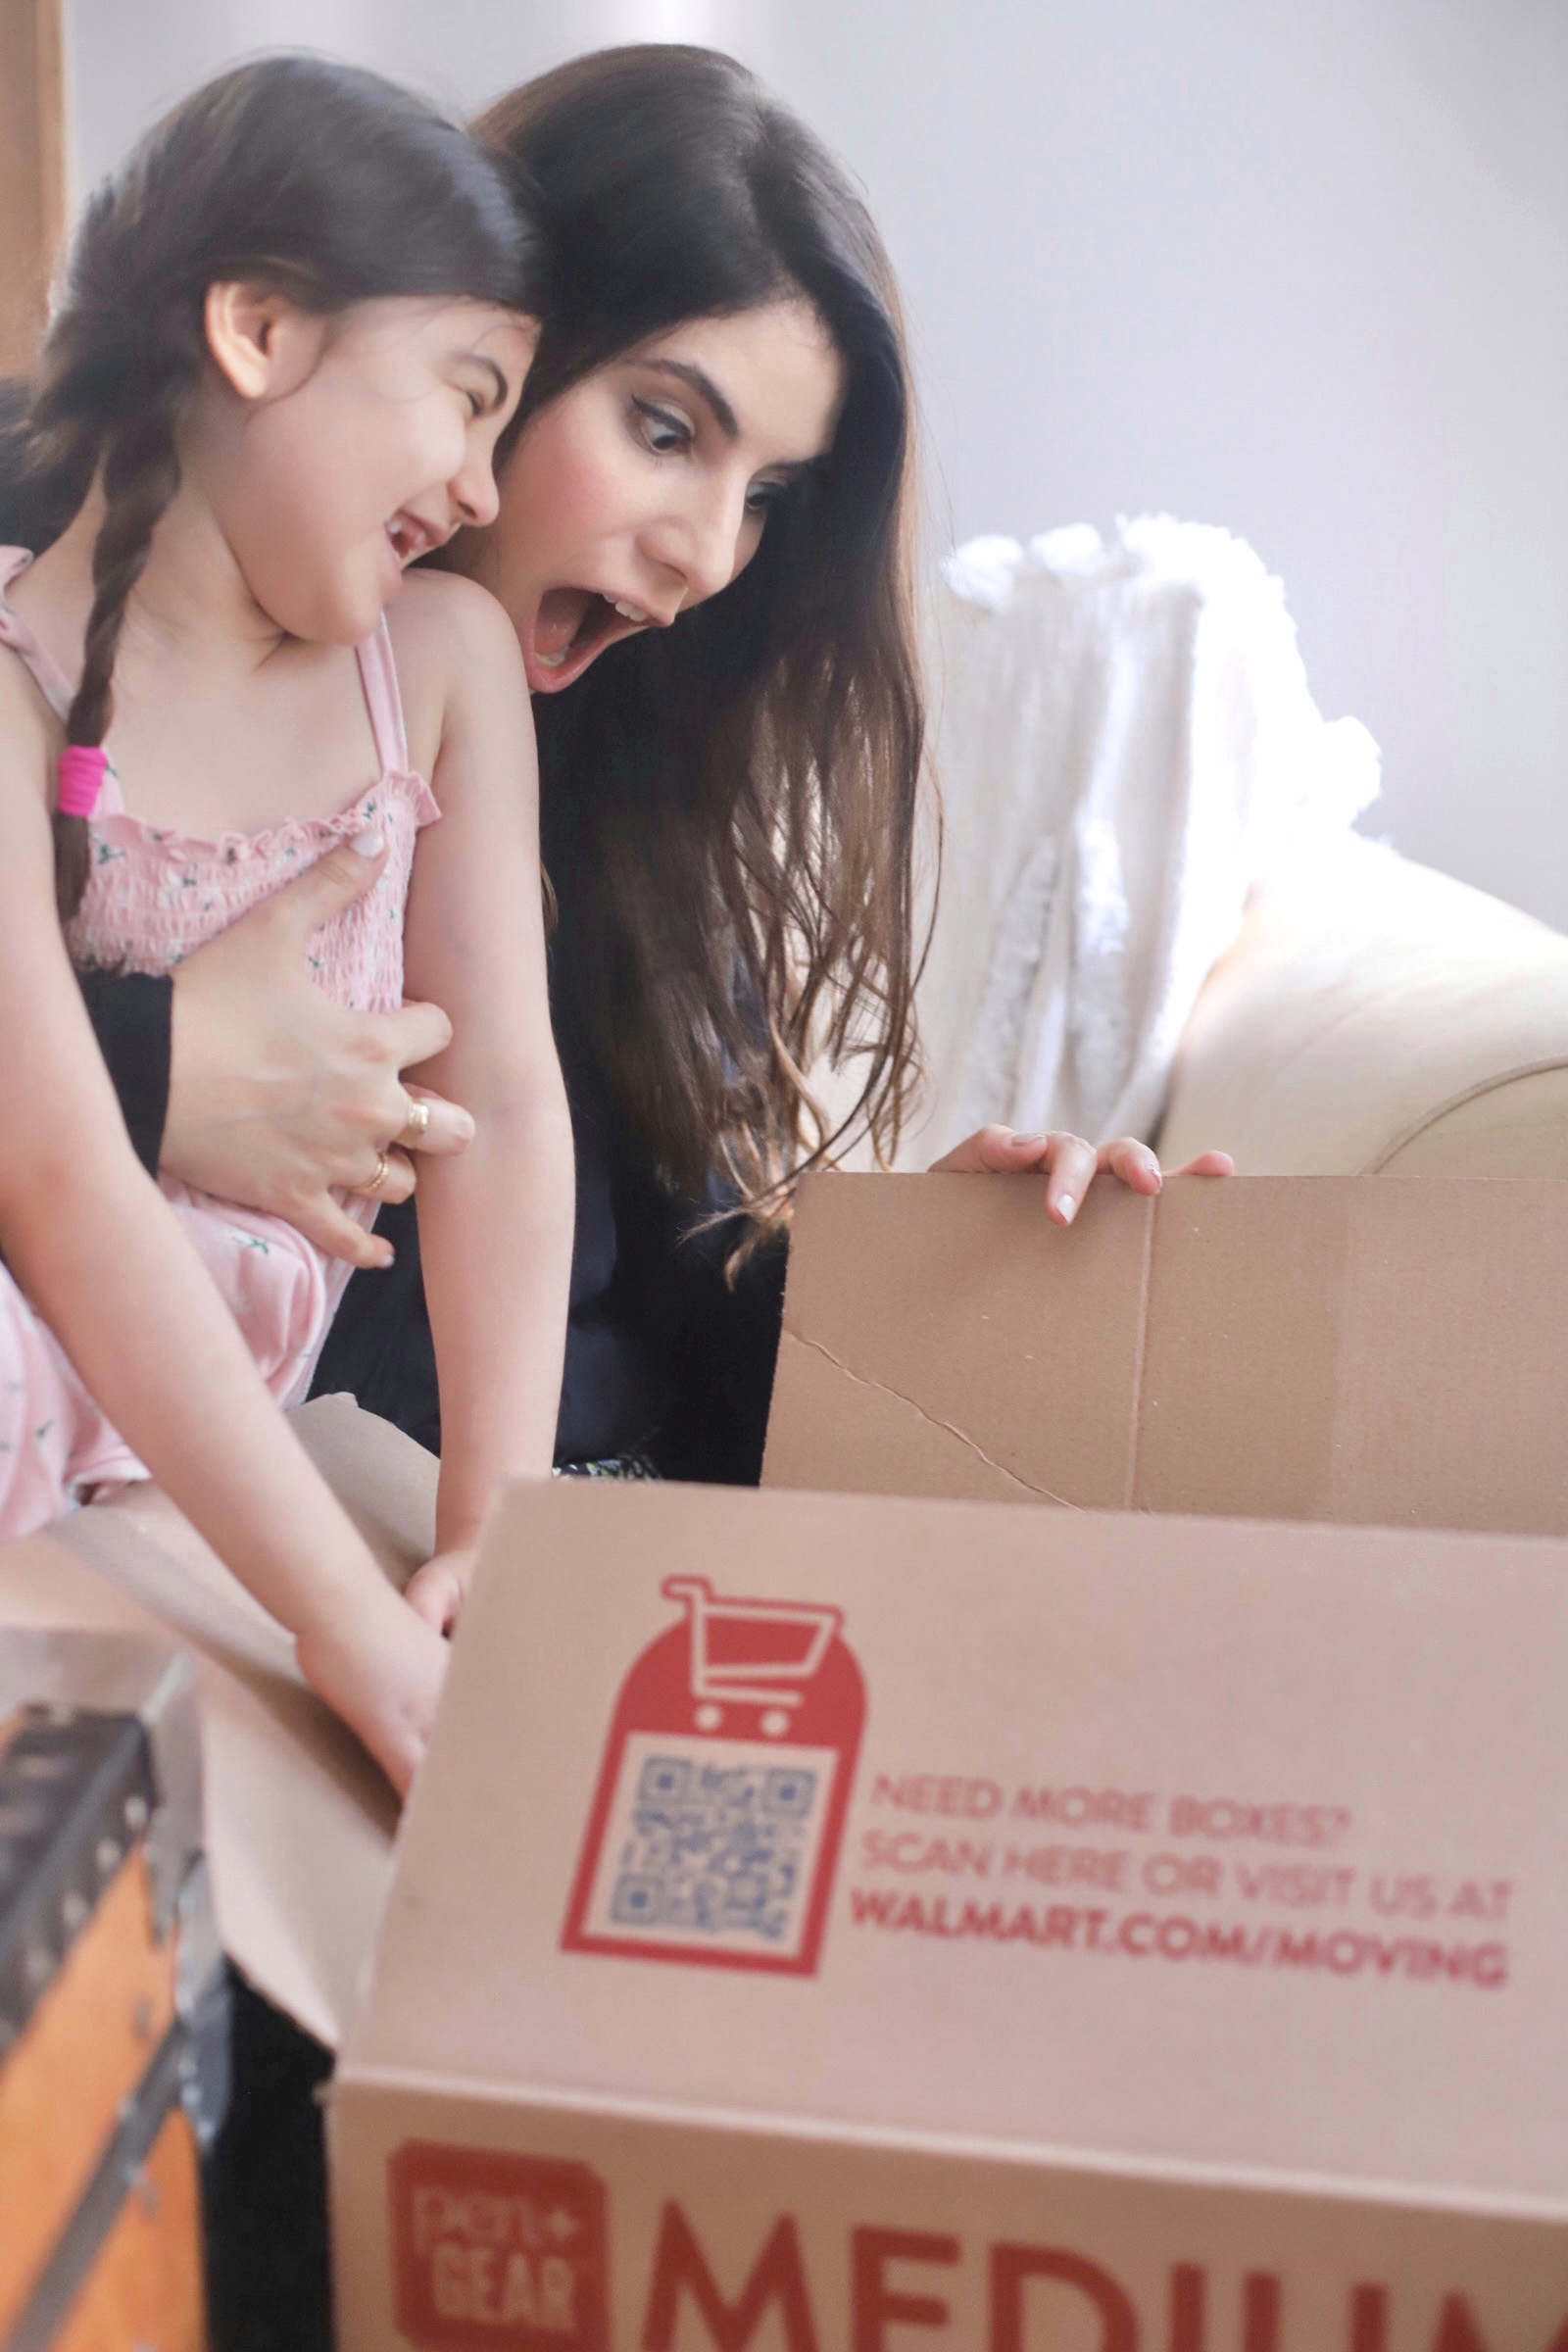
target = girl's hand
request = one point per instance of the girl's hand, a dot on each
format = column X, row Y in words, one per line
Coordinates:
column 437, row 1590
column 1069, row 1164
column 383, row 1675
column 275, row 1092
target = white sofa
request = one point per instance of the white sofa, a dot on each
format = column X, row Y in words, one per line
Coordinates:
column 1375, row 1017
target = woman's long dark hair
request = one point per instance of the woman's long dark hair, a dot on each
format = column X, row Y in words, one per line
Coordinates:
column 318, row 181
column 729, row 804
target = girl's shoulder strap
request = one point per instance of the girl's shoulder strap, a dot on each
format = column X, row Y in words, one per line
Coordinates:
column 378, row 673
column 50, row 679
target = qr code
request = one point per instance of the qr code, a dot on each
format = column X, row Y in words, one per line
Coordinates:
column 712, row 1843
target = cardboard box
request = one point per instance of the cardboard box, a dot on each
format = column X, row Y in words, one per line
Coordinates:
column 828, row 1923
column 1380, row 1351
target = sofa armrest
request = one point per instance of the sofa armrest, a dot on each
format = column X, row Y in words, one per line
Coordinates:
column 1374, row 1016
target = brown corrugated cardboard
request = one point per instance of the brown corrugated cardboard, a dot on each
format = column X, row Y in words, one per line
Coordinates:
column 299, row 1821
column 1190, row 1957
column 1311, row 1348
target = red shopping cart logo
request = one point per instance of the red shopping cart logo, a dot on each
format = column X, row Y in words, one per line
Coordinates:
column 498, row 2251
column 719, row 1807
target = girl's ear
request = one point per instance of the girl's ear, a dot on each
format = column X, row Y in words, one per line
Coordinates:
column 257, row 338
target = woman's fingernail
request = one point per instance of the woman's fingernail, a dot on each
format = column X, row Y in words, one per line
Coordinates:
column 1066, row 1208
column 387, row 1257
column 1031, row 1138
column 369, row 844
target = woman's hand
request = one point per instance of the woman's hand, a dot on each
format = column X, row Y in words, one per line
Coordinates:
column 1068, row 1164
column 277, row 1092
column 437, row 1590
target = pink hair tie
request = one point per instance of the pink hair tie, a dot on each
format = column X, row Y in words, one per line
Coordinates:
column 81, row 776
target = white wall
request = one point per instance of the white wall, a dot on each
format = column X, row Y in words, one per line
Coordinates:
column 131, row 58
column 1294, row 265
column 1300, row 267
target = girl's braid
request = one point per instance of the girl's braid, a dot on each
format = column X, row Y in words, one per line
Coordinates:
column 140, row 476
column 53, row 423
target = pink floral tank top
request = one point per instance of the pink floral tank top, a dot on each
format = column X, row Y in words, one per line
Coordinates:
column 154, row 895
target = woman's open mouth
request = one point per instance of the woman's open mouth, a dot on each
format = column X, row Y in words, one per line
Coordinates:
column 571, row 628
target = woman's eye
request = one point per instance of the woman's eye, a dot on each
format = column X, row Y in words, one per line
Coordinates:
column 660, row 429
column 762, row 497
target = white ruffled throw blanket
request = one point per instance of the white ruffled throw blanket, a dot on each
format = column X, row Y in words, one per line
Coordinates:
column 1125, row 742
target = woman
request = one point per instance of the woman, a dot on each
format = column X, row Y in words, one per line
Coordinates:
column 703, row 545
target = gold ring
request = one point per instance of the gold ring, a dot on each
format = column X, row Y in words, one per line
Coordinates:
column 373, row 1187
column 414, row 1126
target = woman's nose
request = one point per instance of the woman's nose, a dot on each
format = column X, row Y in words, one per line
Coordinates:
column 703, row 543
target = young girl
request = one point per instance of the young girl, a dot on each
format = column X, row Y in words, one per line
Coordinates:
column 291, row 338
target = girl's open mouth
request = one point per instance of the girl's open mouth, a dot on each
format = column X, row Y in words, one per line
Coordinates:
column 411, row 537
column 571, row 628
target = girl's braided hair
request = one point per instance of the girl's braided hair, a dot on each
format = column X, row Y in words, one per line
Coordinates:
column 318, row 181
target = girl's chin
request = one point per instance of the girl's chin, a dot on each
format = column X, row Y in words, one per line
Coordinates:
column 344, row 619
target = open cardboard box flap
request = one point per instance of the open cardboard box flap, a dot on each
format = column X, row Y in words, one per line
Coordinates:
column 1350, row 1688
column 1298, row 1347
column 299, row 1821
column 1199, row 1905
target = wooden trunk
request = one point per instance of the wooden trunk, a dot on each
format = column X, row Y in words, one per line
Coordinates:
column 107, row 1963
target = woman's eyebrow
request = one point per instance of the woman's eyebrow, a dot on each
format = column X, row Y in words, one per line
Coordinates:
column 703, row 384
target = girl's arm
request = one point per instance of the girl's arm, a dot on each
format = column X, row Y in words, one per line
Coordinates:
column 495, row 1225
column 99, row 1252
